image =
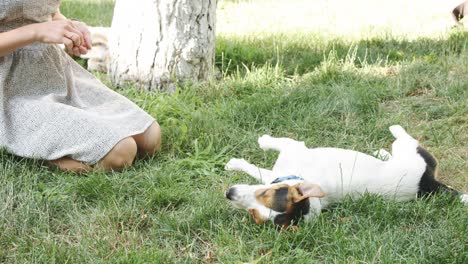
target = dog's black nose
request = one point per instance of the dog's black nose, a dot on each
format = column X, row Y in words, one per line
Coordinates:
column 230, row 193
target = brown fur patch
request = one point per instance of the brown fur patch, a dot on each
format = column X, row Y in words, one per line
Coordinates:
column 257, row 217
column 278, row 197
column 284, row 199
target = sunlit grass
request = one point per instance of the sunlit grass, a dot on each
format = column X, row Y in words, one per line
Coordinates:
column 350, row 19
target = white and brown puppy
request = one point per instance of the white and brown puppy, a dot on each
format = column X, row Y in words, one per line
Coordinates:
column 98, row 56
column 303, row 181
column 459, row 12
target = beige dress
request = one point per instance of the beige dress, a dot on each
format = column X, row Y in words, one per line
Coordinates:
column 50, row 107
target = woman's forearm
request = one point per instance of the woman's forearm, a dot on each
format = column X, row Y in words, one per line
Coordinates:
column 74, row 35
column 22, row 36
column 16, row 38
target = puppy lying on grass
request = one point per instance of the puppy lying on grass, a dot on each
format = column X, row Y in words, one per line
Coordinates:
column 303, row 181
column 459, row 12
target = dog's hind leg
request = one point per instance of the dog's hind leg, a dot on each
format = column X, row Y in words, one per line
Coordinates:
column 398, row 132
column 404, row 144
column 405, row 148
column 267, row 142
column 263, row 175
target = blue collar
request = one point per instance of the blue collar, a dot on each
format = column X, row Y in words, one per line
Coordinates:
column 285, row 178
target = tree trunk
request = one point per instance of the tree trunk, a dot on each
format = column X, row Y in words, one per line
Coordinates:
column 156, row 43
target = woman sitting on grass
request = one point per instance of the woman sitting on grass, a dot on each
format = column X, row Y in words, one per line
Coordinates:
column 53, row 109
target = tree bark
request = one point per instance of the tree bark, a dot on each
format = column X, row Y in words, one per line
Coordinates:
column 157, row 43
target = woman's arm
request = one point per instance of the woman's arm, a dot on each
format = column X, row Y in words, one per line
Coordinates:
column 59, row 31
column 16, row 38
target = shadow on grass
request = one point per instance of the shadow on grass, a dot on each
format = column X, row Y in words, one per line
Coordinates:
column 301, row 54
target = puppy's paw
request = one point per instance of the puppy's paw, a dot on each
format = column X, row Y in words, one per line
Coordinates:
column 264, row 142
column 235, row 164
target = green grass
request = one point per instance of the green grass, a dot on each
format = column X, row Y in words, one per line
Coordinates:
column 326, row 91
column 93, row 12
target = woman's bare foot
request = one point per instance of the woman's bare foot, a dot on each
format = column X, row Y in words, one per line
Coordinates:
column 120, row 157
column 71, row 165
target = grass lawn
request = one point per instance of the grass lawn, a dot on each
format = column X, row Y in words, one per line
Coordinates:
column 325, row 89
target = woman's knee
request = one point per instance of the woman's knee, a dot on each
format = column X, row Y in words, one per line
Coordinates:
column 149, row 141
column 121, row 155
column 154, row 138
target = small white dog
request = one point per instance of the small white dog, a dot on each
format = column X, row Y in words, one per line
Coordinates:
column 304, row 181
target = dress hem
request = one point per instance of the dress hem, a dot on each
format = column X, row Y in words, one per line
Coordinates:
column 115, row 141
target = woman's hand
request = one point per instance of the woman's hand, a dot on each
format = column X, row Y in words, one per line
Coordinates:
column 62, row 32
column 83, row 28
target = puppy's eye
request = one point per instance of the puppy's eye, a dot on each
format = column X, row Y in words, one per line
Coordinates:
column 263, row 193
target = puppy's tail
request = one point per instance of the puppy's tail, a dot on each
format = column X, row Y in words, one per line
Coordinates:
column 428, row 185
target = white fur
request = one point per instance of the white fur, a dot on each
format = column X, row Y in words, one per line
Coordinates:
column 339, row 172
column 464, row 198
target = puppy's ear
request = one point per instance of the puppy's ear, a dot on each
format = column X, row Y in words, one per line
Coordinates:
column 306, row 190
column 256, row 216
